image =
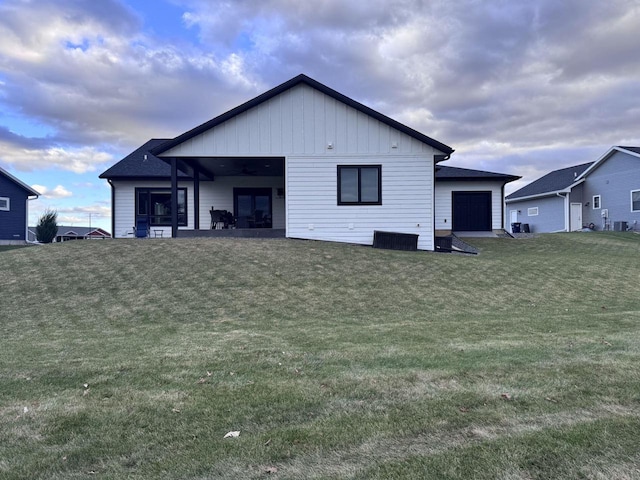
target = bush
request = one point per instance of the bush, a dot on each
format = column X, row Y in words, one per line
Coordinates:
column 47, row 227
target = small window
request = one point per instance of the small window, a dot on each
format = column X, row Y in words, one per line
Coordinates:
column 4, row 204
column 359, row 185
column 532, row 212
column 635, row 200
column 596, row 201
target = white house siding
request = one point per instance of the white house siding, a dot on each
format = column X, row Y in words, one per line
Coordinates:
column 315, row 133
column 300, row 121
column 613, row 180
column 550, row 218
column 219, row 194
column 125, row 206
column 407, row 199
column 444, row 197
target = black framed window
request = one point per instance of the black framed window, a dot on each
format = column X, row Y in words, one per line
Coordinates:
column 155, row 204
column 359, row 185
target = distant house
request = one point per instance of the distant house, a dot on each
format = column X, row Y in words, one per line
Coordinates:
column 66, row 233
column 603, row 195
column 14, row 208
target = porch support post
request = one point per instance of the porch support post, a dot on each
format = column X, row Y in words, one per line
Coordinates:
column 196, row 198
column 174, row 197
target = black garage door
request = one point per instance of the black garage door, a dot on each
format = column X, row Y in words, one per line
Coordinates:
column 471, row 211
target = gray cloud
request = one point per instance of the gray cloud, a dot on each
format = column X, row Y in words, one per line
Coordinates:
column 508, row 84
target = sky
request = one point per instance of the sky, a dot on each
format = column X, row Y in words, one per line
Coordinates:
column 514, row 86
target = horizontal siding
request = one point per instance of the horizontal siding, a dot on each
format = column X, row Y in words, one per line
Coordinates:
column 125, row 205
column 407, row 199
column 218, row 194
column 444, row 197
column 13, row 223
column 550, row 216
column 300, row 121
column 613, row 180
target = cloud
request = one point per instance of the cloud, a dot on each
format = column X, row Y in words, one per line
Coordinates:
column 76, row 160
column 57, row 192
column 504, row 83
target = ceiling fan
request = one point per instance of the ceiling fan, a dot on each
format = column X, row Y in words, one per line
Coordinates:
column 245, row 171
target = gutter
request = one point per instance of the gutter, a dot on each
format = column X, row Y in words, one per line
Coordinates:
column 566, row 210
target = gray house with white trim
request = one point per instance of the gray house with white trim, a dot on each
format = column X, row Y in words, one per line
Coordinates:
column 603, row 195
column 14, row 208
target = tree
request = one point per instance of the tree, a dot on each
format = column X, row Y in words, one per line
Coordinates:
column 47, row 227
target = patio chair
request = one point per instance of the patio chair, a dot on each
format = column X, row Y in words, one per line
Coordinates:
column 217, row 219
column 142, row 227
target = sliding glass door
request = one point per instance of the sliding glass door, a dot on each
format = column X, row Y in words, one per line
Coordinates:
column 252, row 207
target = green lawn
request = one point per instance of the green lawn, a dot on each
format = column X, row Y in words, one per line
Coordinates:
column 133, row 358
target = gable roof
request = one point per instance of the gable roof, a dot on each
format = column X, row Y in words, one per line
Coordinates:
column 30, row 191
column 633, row 151
column 300, row 79
column 141, row 163
column 74, row 231
column 552, row 182
column 444, row 172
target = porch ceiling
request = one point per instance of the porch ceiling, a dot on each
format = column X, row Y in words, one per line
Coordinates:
column 213, row 167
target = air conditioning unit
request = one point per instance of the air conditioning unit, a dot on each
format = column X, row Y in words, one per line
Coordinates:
column 604, row 213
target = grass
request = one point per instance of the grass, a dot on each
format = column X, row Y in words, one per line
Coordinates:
column 132, row 359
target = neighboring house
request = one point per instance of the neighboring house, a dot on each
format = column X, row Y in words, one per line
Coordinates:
column 14, row 208
column 604, row 195
column 315, row 163
column 66, row 233
column 469, row 200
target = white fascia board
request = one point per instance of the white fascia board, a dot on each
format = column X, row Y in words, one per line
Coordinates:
column 604, row 157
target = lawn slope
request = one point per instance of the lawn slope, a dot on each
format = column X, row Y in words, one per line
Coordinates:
column 132, row 359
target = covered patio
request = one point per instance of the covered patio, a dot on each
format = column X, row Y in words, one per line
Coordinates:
column 249, row 189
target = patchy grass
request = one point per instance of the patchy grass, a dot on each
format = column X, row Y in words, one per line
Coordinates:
column 132, row 359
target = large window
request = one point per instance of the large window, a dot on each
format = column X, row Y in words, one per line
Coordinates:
column 635, row 200
column 5, row 204
column 359, row 185
column 155, row 204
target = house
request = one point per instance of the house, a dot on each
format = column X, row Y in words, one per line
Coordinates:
column 306, row 159
column 66, row 233
column 14, row 208
column 602, row 195
column 469, row 200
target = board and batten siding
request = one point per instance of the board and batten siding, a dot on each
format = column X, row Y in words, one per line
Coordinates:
column 315, row 133
column 299, row 121
column 444, row 201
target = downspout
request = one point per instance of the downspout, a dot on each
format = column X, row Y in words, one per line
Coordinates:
column 566, row 210
column 436, row 159
column 26, row 227
column 113, row 209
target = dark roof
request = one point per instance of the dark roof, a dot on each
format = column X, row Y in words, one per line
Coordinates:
column 136, row 165
column 79, row 231
column 286, row 86
column 632, row 149
column 456, row 173
column 30, row 191
column 552, row 182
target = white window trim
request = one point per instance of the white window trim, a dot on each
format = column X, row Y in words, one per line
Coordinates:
column 7, row 207
column 593, row 202
column 631, row 198
column 531, row 210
